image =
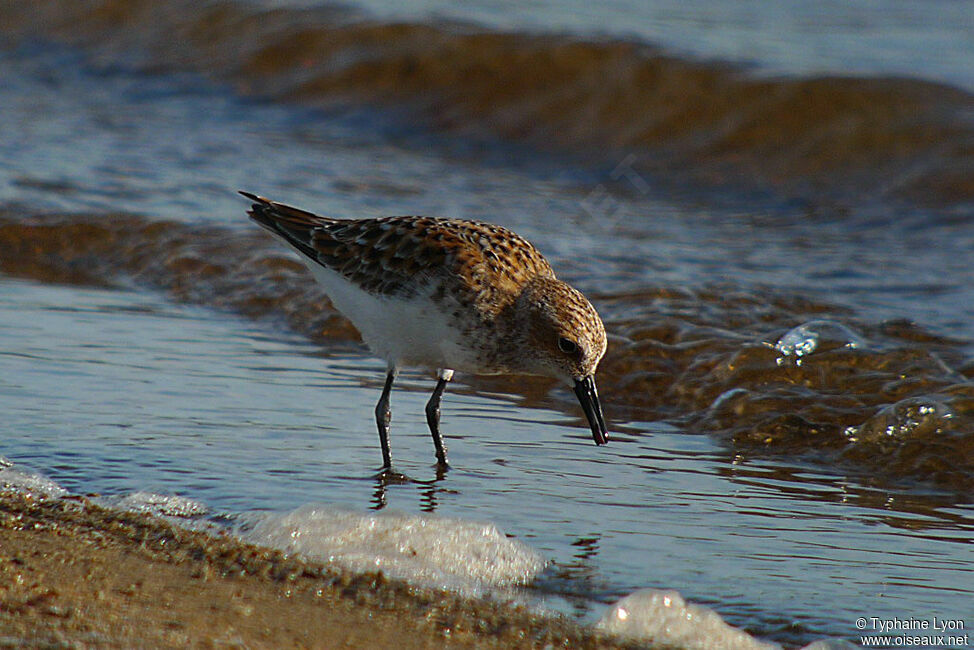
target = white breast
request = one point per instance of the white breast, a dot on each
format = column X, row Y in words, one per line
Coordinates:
column 404, row 332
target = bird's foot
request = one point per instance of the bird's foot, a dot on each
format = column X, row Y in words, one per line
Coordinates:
column 442, row 467
column 389, row 476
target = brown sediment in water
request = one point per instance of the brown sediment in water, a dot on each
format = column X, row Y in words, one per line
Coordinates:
column 898, row 405
column 692, row 124
column 73, row 574
column 889, row 400
column 193, row 264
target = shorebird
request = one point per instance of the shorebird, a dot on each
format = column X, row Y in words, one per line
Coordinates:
column 447, row 294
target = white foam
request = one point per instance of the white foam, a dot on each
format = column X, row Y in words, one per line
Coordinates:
column 26, row 483
column 454, row 554
column 664, row 618
column 160, row 505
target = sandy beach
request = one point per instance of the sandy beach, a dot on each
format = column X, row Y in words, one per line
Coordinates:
column 75, row 575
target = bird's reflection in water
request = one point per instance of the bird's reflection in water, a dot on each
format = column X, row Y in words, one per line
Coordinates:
column 578, row 579
column 429, row 490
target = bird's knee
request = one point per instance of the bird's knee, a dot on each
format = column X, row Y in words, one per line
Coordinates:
column 433, row 412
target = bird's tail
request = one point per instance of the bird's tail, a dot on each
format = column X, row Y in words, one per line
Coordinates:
column 291, row 224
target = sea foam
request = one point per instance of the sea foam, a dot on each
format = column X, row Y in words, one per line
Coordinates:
column 461, row 555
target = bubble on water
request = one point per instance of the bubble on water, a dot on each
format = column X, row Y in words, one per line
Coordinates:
column 160, row 504
column 450, row 553
column 26, row 483
column 816, row 335
column 664, row 618
column 909, row 418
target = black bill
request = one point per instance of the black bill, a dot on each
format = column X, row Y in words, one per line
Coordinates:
column 589, row 398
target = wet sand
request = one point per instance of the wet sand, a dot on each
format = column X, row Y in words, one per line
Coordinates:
column 73, row 574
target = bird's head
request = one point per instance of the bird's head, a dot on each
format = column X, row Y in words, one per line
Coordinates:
column 563, row 338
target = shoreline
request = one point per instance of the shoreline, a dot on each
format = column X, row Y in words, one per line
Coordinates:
column 76, row 574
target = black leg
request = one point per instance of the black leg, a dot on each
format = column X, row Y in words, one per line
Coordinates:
column 433, row 415
column 383, row 415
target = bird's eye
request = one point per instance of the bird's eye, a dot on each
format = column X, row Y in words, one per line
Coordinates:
column 567, row 346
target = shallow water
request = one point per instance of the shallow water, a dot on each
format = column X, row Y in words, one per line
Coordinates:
column 788, row 380
column 178, row 400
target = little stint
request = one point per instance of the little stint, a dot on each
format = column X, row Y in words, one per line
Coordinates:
column 448, row 294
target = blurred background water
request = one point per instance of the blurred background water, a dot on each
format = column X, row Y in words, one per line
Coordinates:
column 924, row 40
column 770, row 206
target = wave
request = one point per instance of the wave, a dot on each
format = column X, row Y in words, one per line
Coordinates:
column 693, row 123
column 768, row 373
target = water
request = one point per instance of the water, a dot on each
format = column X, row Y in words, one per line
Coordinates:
column 176, row 400
column 931, row 40
column 360, row 163
column 754, row 481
